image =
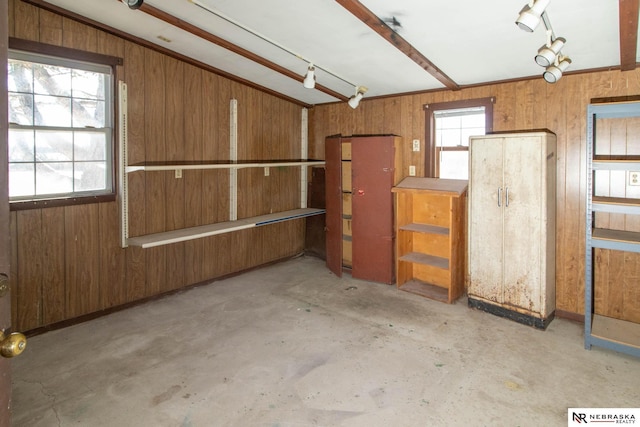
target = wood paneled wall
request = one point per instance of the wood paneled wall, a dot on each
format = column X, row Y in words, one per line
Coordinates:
column 522, row 105
column 67, row 261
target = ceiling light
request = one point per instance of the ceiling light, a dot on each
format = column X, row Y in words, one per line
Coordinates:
column 553, row 73
column 310, row 78
column 354, row 101
column 134, row 4
column 548, row 53
column 530, row 15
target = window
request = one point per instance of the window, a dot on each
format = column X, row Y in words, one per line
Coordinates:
column 449, row 126
column 60, row 128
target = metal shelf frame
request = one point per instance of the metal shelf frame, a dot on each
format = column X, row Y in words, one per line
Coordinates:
column 613, row 334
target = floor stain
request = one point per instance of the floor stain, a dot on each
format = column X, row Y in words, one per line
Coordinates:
column 163, row 397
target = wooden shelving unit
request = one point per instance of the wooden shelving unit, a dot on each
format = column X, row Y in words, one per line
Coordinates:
column 600, row 330
column 430, row 237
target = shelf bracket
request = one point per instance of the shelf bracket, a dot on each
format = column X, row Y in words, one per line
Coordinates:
column 123, row 190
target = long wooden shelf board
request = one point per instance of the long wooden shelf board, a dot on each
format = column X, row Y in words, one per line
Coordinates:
column 184, row 234
column 196, row 165
column 615, row 204
column 616, row 164
column 616, row 239
column 616, row 330
column 437, row 185
column 420, row 258
column 426, row 290
column 426, row 228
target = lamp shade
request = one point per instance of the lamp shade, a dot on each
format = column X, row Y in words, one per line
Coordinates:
column 354, row 101
column 553, row 73
column 547, row 54
column 529, row 17
column 310, row 78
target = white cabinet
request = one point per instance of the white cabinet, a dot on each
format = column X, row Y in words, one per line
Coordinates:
column 511, row 228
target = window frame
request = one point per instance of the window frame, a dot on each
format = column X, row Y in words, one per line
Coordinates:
column 431, row 150
column 74, row 55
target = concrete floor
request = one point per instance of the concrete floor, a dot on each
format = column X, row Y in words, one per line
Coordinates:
column 292, row 345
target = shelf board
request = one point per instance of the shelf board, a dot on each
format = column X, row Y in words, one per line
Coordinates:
column 184, row 234
column 420, row 258
column 197, row 165
column 612, row 163
column 426, row 290
column 616, row 239
column 425, row 228
column 419, row 184
column 616, row 330
column 615, row 205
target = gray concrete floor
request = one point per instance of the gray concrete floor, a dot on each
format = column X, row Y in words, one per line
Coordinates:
column 292, row 345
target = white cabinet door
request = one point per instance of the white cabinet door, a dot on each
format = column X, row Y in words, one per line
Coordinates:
column 524, row 210
column 486, row 219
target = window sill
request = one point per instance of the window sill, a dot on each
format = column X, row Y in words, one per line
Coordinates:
column 63, row 201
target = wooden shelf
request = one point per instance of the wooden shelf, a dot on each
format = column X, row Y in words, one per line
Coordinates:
column 196, row 165
column 420, row 258
column 426, row 290
column 184, row 234
column 615, row 205
column 616, row 330
column 425, row 228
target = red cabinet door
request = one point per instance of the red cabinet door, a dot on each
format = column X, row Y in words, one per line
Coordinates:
column 372, row 224
column 333, row 201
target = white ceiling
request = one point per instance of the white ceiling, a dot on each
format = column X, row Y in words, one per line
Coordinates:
column 470, row 41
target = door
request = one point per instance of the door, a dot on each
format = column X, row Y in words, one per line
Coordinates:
column 333, row 203
column 525, row 188
column 5, row 300
column 372, row 163
column 486, row 208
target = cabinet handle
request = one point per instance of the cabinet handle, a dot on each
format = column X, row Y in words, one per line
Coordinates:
column 499, row 196
column 506, row 196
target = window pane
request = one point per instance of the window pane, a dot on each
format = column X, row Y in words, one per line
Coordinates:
column 473, row 121
column 20, row 76
column 90, row 176
column 54, row 178
column 454, row 164
column 90, row 146
column 466, row 133
column 21, row 145
column 52, row 111
column 88, row 84
column 52, row 80
column 21, row 109
column 88, row 113
column 21, row 179
column 449, row 138
column 54, row 146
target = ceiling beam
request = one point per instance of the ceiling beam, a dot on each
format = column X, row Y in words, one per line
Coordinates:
column 628, row 11
column 199, row 32
column 380, row 27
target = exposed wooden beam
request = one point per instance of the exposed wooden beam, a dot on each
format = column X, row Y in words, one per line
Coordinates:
column 126, row 36
column 380, row 27
column 628, row 34
column 199, row 32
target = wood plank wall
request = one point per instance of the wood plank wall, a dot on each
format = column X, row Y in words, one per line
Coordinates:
column 67, row 261
column 522, row 105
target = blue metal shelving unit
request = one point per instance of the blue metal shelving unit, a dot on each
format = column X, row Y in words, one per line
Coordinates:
column 615, row 334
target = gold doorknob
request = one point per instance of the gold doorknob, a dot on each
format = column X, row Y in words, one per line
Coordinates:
column 12, row 345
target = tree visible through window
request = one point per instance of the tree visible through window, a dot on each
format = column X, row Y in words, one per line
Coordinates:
column 449, row 126
column 60, row 127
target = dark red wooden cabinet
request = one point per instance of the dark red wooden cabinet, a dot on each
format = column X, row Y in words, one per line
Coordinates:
column 360, row 173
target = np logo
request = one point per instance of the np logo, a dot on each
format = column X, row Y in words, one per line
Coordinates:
column 579, row 417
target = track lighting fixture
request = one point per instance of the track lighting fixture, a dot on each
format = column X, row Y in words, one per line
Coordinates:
column 134, row 4
column 554, row 72
column 530, row 15
column 548, row 53
column 310, row 78
column 354, row 101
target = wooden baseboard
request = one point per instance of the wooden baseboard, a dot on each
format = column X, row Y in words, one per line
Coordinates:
column 576, row 317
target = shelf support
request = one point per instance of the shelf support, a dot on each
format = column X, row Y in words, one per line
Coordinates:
column 123, row 189
column 233, row 156
column 304, row 154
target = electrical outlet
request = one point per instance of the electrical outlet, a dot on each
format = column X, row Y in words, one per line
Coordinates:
column 634, row 178
column 266, row 171
column 416, row 145
column 412, row 170
column 178, row 173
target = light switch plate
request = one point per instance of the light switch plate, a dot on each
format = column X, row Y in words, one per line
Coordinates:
column 412, row 170
column 416, row 145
